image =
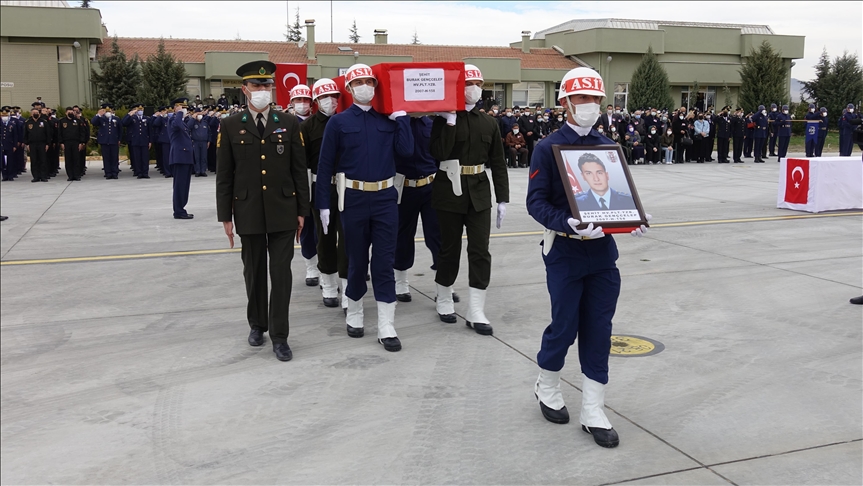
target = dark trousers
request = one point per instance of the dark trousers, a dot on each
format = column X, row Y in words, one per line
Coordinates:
column 651, row 156
column 280, row 246
column 39, row 160
column 478, row 226
column 71, row 155
column 846, row 146
column 708, row 154
column 700, row 148
column 166, row 157
column 416, row 203
column 141, row 159
column 759, row 148
column 772, row 144
column 584, row 284
column 783, row 146
column 82, row 161
column 199, row 150
column 722, row 149
column 308, row 238
column 182, row 181
column 53, row 158
column 810, row 146
column 738, row 148
column 371, row 219
column 678, row 152
column 331, row 246
column 10, row 167
column 820, row 147
column 160, row 159
column 111, row 159
column 211, row 157
column 517, row 157
column 764, row 149
column 21, row 160
column 748, row 144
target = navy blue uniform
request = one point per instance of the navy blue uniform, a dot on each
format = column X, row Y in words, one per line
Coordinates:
column 416, row 201
column 812, row 123
column 361, row 144
column 200, row 131
column 846, row 134
column 783, row 132
column 108, row 137
column 182, row 161
column 738, row 132
column 161, row 129
column 213, row 122
column 138, row 136
column 9, row 143
column 773, row 130
column 582, row 276
column 749, row 137
column 760, row 135
column 822, row 133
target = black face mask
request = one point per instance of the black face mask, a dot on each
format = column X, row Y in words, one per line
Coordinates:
column 36, row 115
column 70, row 115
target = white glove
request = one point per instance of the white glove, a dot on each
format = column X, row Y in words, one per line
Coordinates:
column 589, row 232
column 325, row 220
column 643, row 229
column 501, row 213
column 449, row 117
column 397, row 114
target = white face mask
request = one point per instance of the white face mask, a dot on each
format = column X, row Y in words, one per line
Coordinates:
column 812, row 110
column 301, row 109
column 495, row 111
column 763, row 112
column 545, row 118
column 560, row 118
column 773, row 109
column 681, row 117
column 198, row 117
column 586, row 114
column 363, row 94
column 668, row 132
column 850, row 110
column 327, row 106
column 515, row 131
column 599, row 130
column 652, row 132
column 472, row 94
column 260, row 99
column 181, row 111
column 785, row 111
column 5, row 119
column 509, row 113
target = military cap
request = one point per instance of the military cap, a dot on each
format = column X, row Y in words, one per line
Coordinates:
column 772, row 105
column 37, row 103
column 811, row 106
column 761, row 107
column 823, row 109
column 180, row 101
column 107, row 106
column 784, row 107
column 198, row 109
column 16, row 107
column 68, row 108
column 257, row 72
column 849, row 107
column 4, row 110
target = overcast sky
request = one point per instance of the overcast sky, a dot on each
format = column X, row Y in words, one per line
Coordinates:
column 835, row 26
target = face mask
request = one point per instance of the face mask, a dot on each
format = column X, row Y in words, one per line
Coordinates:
column 509, row 113
column 363, row 94
column 637, row 117
column 599, row 130
column 302, row 108
column 773, row 109
column 668, row 132
column 327, row 106
column 824, row 114
column 181, row 112
column 609, row 112
column 139, row 113
column 70, row 115
column 495, row 111
column 785, row 111
column 515, row 131
column 224, row 115
column 586, row 114
column 472, row 94
column 613, row 129
column 763, row 112
column 653, row 132
column 198, row 117
column 5, row 119
column 545, row 118
column 631, row 130
column 681, row 117
column 260, row 99
column 652, row 114
column 850, row 110
column 664, row 118
column 812, row 110
column 560, row 118
column 617, row 112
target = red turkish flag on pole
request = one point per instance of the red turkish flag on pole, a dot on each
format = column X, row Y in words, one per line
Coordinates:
column 288, row 76
column 797, row 181
column 573, row 181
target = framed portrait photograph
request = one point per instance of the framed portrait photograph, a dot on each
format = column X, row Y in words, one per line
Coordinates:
column 599, row 187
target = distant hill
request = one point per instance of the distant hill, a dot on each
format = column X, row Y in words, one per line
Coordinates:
column 797, row 90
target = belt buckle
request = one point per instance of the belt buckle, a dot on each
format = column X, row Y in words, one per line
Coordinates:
column 370, row 186
column 382, row 185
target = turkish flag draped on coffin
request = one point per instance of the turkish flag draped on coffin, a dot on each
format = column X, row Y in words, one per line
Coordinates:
column 797, row 181
column 288, row 76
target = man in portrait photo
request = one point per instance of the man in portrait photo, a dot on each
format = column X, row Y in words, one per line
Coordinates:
column 600, row 197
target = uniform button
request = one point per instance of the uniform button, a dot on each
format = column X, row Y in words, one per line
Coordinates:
column 263, row 157
column 242, row 142
column 264, row 172
column 265, row 188
column 262, row 142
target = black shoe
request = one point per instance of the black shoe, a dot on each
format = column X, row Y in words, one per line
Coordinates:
column 403, row 297
column 197, row 175
column 448, row 318
column 312, row 282
column 256, row 337
column 456, row 298
column 772, row 155
column 145, row 176
column 391, row 344
column 368, row 277
column 43, row 180
column 4, row 218
column 480, row 327
column 554, row 416
column 69, row 179
column 36, row 180
column 283, row 351
column 185, row 216
column 78, row 179
column 167, row 176
column 355, row 332
column 604, row 437
column 203, row 174
column 855, row 300
column 331, row 301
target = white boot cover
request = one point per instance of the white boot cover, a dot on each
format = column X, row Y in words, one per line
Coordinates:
column 592, row 404
column 330, row 285
column 386, row 320
column 344, row 293
column 547, row 389
column 355, row 313
column 476, row 306
column 402, row 282
column 312, row 267
column 444, row 302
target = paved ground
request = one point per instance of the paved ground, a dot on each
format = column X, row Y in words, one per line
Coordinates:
column 136, row 370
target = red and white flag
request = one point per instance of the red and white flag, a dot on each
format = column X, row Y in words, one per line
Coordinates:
column 288, row 76
column 573, row 181
column 797, row 181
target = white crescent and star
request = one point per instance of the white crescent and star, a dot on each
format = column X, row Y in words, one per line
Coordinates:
column 802, row 176
column 290, row 75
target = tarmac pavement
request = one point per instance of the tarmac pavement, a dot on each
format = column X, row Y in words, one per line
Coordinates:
column 126, row 361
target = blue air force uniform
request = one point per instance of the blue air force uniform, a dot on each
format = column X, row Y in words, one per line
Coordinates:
column 162, row 141
column 582, row 276
column 213, row 123
column 181, row 160
column 760, row 134
column 138, row 136
column 813, row 121
column 822, row 132
column 9, row 142
column 783, row 132
column 846, row 132
column 108, row 136
column 419, row 170
column 200, row 131
column 362, row 145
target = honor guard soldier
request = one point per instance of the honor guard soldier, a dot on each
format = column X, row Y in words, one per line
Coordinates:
column 723, row 133
column 20, row 165
column 72, row 135
column 262, row 186
column 301, row 99
column 213, row 121
column 822, row 131
column 467, row 142
column 53, row 153
column 783, row 131
column 38, row 136
column 139, row 140
column 582, row 277
column 162, row 140
column 738, row 131
column 181, row 158
column 846, row 131
column 772, row 129
column 760, row 135
column 108, row 136
column 200, row 131
column 9, row 143
column 811, row 137
column 85, row 123
column 358, row 149
column 330, row 250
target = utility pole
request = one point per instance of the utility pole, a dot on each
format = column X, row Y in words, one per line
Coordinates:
column 331, row 21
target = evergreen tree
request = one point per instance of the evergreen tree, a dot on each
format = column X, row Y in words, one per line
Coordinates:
column 119, row 79
column 416, row 39
column 295, row 34
column 818, row 88
column 692, row 102
column 354, row 34
column 763, row 79
column 164, row 78
column 726, row 91
column 846, row 84
column 649, row 85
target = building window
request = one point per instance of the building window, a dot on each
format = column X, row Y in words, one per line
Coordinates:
column 705, row 97
column 557, row 94
column 64, row 55
column 528, row 94
column 499, row 94
column 621, row 94
column 193, row 88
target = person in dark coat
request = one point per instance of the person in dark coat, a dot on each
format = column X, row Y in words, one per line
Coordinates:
column 181, row 157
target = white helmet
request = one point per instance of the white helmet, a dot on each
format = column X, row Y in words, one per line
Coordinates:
column 581, row 80
column 324, row 86
column 300, row 91
column 358, row 71
column 472, row 73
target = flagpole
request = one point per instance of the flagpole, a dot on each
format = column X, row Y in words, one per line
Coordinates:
column 331, row 21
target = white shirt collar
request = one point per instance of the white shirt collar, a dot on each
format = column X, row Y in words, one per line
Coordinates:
column 266, row 113
column 468, row 107
column 605, row 198
column 579, row 130
column 364, row 107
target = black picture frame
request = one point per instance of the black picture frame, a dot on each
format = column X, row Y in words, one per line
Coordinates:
column 624, row 209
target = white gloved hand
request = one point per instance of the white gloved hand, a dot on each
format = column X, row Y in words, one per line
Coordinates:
column 397, row 114
column 643, row 229
column 325, row 220
column 589, row 232
column 449, row 117
column 501, row 213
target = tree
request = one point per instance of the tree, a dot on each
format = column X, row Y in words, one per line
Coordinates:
column 836, row 83
column 85, row 3
column 416, row 39
column 119, row 79
column 295, row 34
column 726, row 91
column 692, row 100
column 649, row 85
column 354, row 34
column 817, row 89
column 763, row 79
column 164, row 78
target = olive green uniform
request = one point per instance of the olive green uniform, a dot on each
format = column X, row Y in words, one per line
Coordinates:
column 474, row 140
column 261, row 184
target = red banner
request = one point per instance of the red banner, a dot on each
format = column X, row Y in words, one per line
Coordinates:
column 797, row 181
column 288, row 76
